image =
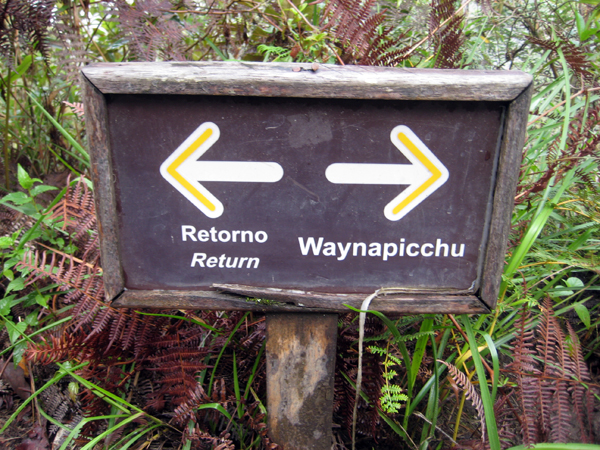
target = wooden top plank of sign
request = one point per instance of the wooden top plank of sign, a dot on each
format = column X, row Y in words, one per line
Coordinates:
column 328, row 81
column 290, row 80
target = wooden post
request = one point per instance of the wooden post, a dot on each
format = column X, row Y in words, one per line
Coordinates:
column 300, row 376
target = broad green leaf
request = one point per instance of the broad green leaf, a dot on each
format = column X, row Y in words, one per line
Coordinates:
column 41, row 300
column 15, row 285
column 25, row 64
column 6, row 241
column 9, row 274
column 19, row 350
column 31, row 319
column 21, row 69
column 574, row 282
column 589, row 33
column 583, row 313
column 10, row 263
column 15, row 330
column 581, row 25
column 25, row 180
column 41, row 188
column 70, row 249
column 17, row 198
column 5, row 305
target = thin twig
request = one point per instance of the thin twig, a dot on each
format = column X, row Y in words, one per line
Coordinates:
column 295, row 8
column 35, row 399
column 361, row 335
column 66, row 255
column 4, row 366
column 583, row 91
column 418, row 414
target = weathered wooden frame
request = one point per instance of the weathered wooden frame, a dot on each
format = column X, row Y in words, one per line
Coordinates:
column 309, row 81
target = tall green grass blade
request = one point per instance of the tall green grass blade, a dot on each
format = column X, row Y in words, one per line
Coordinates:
column 113, row 399
column 186, row 319
column 217, row 50
column 397, row 428
column 133, row 437
column 426, row 388
column 217, row 407
column 432, row 410
column 214, row 371
column 533, row 232
column 90, row 445
column 55, row 379
column 488, row 405
column 419, row 352
column 52, row 420
column 75, row 433
column 555, row 446
column 495, row 364
column 254, row 370
column 236, row 388
column 76, row 145
column 567, row 88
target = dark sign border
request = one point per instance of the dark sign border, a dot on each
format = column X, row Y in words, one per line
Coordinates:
column 304, row 81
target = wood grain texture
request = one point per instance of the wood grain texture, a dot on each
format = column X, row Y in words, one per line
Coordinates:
column 237, row 297
column 511, row 154
column 104, row 195
column 281, row 80
column 300, row 353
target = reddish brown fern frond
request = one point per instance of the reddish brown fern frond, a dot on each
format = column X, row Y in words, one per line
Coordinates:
column 356, row 27
column 528, row 386
column 470, row 392
column 73, row 52
column 583, row 141
column 446, row 27
column 556, row 393
column 581, row 390
column 178, row 360
column 186, row 411
column 65, row 347
column 574, row 55
column 385, row 52
column 24, row 23
column 75, row 213
column 151, row 29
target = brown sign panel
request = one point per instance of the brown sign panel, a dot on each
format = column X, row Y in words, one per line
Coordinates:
column 314, row 197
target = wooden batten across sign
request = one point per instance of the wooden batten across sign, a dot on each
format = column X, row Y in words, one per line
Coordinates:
column 168, row 253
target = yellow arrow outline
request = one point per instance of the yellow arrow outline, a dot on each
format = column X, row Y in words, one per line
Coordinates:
column 435, row 173
column 172, row 169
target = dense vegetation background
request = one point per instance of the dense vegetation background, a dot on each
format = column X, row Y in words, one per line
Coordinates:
column 77, row 373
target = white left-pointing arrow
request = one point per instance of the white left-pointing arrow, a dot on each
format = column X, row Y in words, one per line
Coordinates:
column 184, row 172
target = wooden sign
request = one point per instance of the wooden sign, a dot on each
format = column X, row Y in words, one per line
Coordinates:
column 307, row 189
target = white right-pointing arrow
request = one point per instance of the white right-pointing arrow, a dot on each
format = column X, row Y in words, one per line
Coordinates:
column 423, row 176
column 356, row 173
